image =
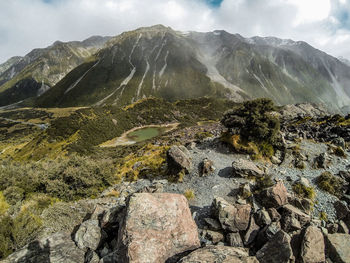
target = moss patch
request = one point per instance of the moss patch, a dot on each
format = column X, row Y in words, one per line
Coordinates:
column 149, row 160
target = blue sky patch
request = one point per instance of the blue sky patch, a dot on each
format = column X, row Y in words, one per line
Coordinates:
column 214, row 3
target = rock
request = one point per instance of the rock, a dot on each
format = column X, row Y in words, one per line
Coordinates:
column 251, row 233
column 274, row 196
column 275, row 160
column 342, row 227
column 92, row 257
column 213, row 224
column 218, row 254
column 303, row 181
column 321, row 161
column 57, row 248
column 267, row 233
column 313, row 247
column 155, row 228
column 332, row 228
column 277, row 250
column 178, row 159
column 295, row 242
column 262, row 218
column 339, row 142
column 274, row 215
column 245, row 168
column 245, row 191
column 338, row 247
column 206, row 167
column 213, row 236
column 234, row 240
column 341, row 209
column 298, row 163
column 290, row 223
column 289, row 210
column 110, row 258
column 233, row 218
column 88, row 235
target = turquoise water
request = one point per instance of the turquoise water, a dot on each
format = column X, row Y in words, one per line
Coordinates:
column 146, row 133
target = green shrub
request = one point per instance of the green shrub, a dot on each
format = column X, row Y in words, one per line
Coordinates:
column 330, row 183
column 266, row 149
column 263, row 183
column 3, row 204
column 339, row 152
column 253, row 121
column 65, row 178
column 203, row 135
column 303, row 191
column 6, row 240
column 23, row 227
column 14, row 194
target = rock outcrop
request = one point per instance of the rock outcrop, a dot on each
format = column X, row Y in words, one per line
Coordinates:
column 338, row 247
column 274, row 196
column 178, row 159
column 57, row 248
column 155, row 228
column 313, row 247
column 277, row 250
column 232, row 218
column 88, row 235
column 245, row 168
column 220, row 254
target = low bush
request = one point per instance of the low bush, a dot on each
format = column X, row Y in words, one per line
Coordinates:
column 16, row 231
column 330, row 183
column 203, row 135
column 253, row 121
column 252, row 128
column 3, row 204
column 65, row 178
column 303, row 191
column 263, row 183
column 338, row 151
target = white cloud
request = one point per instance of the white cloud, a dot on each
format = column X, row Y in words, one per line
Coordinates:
column 309, row 11
column 27, row 24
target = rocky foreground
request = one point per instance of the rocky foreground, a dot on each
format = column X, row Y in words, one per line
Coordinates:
column 226, row 207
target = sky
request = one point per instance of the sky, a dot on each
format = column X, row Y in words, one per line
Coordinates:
column 29, row 24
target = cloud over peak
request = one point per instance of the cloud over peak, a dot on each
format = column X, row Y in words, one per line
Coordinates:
column 27, row 24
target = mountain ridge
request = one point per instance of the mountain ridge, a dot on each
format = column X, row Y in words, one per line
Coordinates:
column 159, row 61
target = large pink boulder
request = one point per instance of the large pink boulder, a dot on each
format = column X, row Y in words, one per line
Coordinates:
column 156, row 227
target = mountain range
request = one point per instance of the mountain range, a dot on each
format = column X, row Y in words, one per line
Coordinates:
column 160, row 62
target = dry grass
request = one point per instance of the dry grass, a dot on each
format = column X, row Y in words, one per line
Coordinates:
column 189, row 194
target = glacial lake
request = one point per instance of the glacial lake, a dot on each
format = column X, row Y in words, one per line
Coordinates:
column 139, row 134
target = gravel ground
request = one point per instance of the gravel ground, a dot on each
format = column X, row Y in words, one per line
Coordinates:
column 222, row 184
column 323, row 199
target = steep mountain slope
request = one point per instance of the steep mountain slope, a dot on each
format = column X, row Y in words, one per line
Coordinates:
column 48, row 65
column 154, row 61
column 158, row 61
column 9, row 63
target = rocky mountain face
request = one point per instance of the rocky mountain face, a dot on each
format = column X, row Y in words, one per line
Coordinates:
column 45, row 66
column 161, row 62
column 9, row 63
